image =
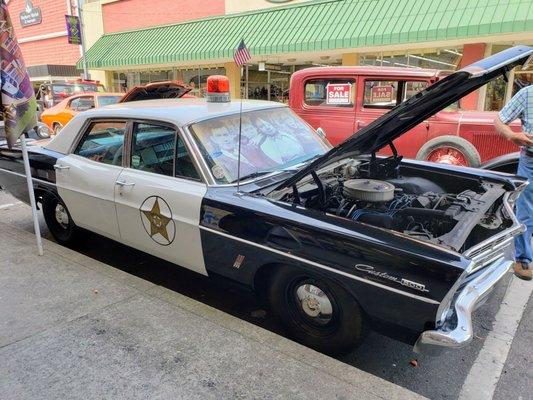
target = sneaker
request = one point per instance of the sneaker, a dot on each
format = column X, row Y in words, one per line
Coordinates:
column 522, row 270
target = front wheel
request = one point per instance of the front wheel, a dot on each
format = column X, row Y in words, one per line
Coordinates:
column 59, row 221
column 316, row 311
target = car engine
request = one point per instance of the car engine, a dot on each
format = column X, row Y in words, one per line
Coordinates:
column 414, row 205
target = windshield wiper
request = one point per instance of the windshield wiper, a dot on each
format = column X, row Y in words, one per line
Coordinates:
column 252, row 175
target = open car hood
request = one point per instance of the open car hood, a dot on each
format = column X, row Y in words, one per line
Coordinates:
column 156, row 90
column 410, row 113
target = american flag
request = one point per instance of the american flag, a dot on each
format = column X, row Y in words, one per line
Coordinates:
column 242, row 55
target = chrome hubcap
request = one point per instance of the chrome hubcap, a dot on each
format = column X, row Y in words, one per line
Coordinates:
column 314, row 302
column 62, row 216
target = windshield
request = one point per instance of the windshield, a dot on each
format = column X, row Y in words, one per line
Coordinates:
column 107, row 100
column 272, row 140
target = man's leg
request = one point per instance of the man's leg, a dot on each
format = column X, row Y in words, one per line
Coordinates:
column 524, row 213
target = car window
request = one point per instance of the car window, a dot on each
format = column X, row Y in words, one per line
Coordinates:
column 73, row 105
column 381, row 94
column 103, row 142
column 85, row 103
column 412, row 88
column 184, row 164
column 153, row 148
column 107, row 100
column 329, row 92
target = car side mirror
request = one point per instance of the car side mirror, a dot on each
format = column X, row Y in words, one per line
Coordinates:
column 321, row 132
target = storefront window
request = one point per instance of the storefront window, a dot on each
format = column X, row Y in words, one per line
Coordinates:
column 442, row 59
column 197, row 78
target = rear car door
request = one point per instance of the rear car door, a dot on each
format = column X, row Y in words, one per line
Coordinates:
column 158, row 196
column 86, row 177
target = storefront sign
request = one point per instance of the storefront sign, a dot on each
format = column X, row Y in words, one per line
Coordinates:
column 381, row 94
column 73, row 29
column 339, row 93
column 31, row 15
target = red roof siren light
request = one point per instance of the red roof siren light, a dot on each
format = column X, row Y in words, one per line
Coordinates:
column 218, row 89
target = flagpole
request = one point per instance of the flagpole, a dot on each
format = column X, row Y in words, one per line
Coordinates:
column 31, row 193
column 240, row 132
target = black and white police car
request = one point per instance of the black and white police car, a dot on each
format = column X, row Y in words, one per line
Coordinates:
column 337, row 239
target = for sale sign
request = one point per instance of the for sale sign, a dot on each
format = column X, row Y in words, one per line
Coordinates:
column 339, row 93
column 381, row 94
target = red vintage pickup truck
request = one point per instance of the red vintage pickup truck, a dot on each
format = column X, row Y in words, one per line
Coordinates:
column 342, row 100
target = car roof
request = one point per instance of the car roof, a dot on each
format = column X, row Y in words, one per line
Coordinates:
column 182, row 111
column 179, row 112
column 370, row 71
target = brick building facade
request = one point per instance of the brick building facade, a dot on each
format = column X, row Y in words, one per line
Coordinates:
column 46, row 52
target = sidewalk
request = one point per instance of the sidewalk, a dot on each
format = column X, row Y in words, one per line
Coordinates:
column 74, row 328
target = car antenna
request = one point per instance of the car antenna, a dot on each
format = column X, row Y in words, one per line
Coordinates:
column 241, row 56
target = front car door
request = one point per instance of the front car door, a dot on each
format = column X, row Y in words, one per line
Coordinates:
column 86, row 177
column 158, row 196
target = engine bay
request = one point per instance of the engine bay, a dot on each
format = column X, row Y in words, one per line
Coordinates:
column 455, row 213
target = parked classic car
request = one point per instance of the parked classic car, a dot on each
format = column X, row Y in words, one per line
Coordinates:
column 58, row 116
column 342, row 100
column 338, row 240
column 52, row 93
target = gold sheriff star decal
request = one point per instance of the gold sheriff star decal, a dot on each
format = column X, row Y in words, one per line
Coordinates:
column 158, row 223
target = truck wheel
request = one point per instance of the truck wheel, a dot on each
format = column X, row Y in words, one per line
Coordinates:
column 59, row 221
column 450, row 149
column 315, row 311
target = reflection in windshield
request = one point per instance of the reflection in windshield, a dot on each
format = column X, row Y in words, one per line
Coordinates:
column 107, row 100
column 271, row 140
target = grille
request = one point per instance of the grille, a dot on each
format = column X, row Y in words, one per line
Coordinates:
column 490, row 145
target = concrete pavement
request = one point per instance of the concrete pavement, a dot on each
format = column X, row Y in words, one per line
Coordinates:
column 73, row 327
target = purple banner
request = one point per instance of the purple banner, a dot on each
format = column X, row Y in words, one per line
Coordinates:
column 73, row 29
column 18, row 98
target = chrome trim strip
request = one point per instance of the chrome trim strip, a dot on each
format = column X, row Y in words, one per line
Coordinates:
column 471, row 295
column 315, row 264
column 24, row 176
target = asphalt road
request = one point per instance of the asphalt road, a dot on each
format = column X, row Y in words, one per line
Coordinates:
column 439, row 377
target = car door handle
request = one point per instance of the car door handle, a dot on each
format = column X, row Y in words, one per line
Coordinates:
column 360, row 124
column 61, row 167
column 124, row 183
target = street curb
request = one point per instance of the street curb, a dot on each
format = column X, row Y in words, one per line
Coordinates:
column 360, row 381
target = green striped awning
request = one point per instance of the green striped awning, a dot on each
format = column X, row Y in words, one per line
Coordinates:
column 312, row 26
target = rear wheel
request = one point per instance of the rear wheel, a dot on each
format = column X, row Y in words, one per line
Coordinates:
column 316, row 311
column 59, row 221
column 450, row 149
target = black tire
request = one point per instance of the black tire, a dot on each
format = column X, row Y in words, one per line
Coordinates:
column 66, row 234
column 339, row 334
column 467, row 149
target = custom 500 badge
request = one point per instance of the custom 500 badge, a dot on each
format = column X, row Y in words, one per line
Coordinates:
column 156, row 217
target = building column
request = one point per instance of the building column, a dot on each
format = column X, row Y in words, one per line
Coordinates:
column 233, row 72
column 350, row 59
column 472, row 52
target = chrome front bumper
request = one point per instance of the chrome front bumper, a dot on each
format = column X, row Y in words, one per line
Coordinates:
column 471, row 296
